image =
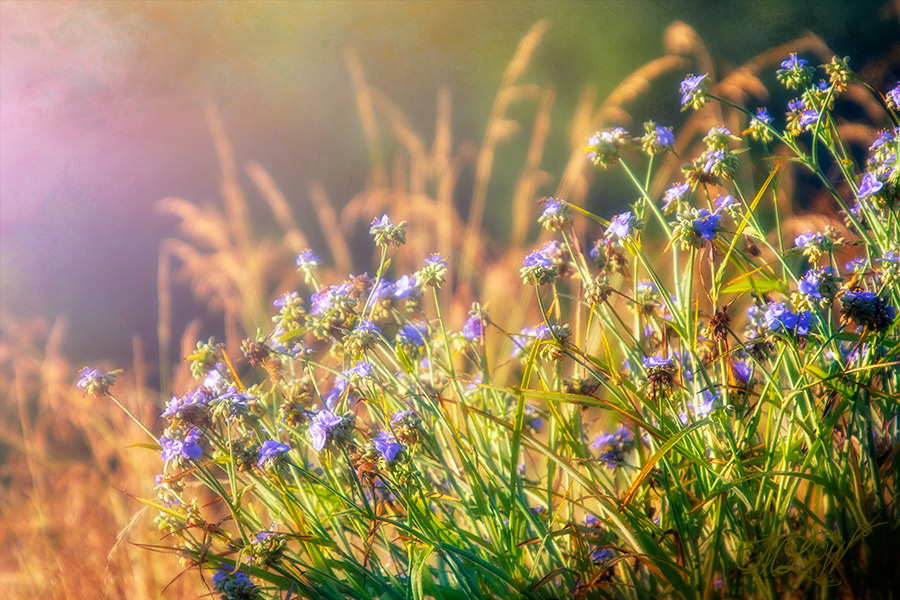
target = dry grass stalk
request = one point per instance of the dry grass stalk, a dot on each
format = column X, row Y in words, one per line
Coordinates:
column 485, row 162
column 66, row 460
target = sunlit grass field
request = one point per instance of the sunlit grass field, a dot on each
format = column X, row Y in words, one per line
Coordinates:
column 79, row 506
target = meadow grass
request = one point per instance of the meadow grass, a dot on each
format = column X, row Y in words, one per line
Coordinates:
column 601, row 420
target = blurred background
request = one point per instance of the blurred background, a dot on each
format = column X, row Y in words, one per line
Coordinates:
column 101, row 113
column 170, row 158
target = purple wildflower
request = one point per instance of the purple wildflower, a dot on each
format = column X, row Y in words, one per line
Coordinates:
column 537, row 259
column 657, row 361
column 857, row 265
column 271, row 449
column 410, row 335
column 796, row 105
column 307, row 260
column 866, row 309
column 793, row 62
column 289, row 299
column 693, row 91
column 614, row 446
column 707, row 225
column 741, row 372
column 725, row 203
column 191, row 406
column 473, row 328
column 96, row 383
column 188, row 448
column 869, row 186
column 387, row 446
column 360, row 369
column 762, row 115
column 713, row 159
column 707, row 403
column 893, row 97
column 322, row 427
column 405, row 287
column 675, row 194
column 664, row 136
column 620, row 226
column 794, row 72
column 809, row 117
column 779, row 318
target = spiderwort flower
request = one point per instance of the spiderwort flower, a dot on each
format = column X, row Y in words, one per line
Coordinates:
column 614, row 445
column 707, row 224
column 406, row 287
column 307, row 261
column 411, row 336
column 324, row 427
column 232, row 404
column 809, row 285
column 818, row 96
column 387, row 446
column 532, row 419
column 866, row 309
column 819, row 285
column 794, row 72
column 556, row 214
column 710, row 166
column 660, row 374
column 186, row 448
column 885, row 137
column 473, row 328
column 657, row 362
column 707, row 403
column 234, row 586
column 620, row 226
column 807, row 238
column 386, row 233
column 778, row 319
column 893, row 97
column 760, row 126
column 333, row 298
column 362, row 337
column 741, row 373
column 383, row 290
column 713, row 159
column 214, row 380
column 857, row 265
column 360, row 369
column 869, row 186
column 407, row 427
column 693, row 91
column 96, row 383
column 839, row 73
column 718, row 138
column 538, row 269
column 728, row 204
column 192, row 408
column 809, row 118
column 528, row 336
column 604, row 146
column 601, row 555
column 270, row 452
column 289, row 301
column 657, row 139
column 816, row 244
column 674, row 197
column 694, row 228
column 434, row 273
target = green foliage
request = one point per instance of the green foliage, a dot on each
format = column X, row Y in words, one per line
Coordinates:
column 699, row 413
